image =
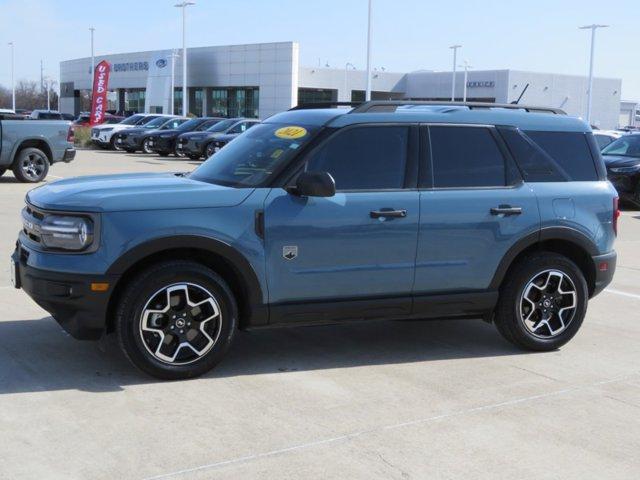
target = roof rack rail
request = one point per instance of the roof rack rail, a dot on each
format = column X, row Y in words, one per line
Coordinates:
column 310, row 106
column 392, row 105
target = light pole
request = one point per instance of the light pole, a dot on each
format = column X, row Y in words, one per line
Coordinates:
column 13, row 78
column 466, row 78
column 367, row 95
column 93, row 61
column 593, row 29
column 174, row 55
column 185, row 94
column 455, row 64
column 346, row 69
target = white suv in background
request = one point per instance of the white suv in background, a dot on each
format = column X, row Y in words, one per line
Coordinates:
column 102, row 135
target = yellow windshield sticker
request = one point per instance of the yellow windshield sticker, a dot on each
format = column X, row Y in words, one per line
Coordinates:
column 291, row 133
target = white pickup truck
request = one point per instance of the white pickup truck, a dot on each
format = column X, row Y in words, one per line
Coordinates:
column 29, row 147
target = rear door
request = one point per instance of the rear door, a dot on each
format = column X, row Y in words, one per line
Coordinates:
column 473, row 208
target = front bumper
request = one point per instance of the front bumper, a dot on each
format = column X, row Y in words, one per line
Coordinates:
column 605, row 268
column 66, row 296
column 163, row 145
column 193, row 147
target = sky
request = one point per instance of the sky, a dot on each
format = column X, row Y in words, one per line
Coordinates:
column 536, row 35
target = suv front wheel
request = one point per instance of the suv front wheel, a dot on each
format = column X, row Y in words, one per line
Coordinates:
column 176, row 320
column 543, row 302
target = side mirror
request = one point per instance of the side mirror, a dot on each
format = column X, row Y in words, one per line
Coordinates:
column 314, row 184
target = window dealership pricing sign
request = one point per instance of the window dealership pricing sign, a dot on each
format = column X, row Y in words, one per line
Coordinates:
column 99, row 94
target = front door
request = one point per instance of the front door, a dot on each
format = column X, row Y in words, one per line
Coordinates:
column 358, row 245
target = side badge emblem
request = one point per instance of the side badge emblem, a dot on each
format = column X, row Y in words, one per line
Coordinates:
column 290, row 252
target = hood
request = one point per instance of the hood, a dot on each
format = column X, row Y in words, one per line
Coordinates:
column 115, row 127
column 166, row 133
column 136, row 130
column 195, row 135
column 617, row 161
column 129, row 192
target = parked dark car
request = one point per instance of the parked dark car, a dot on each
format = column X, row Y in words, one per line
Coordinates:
column 164, row 143
column 622, row 158
column 135, row 139
column 46, row 115
column 196, row 144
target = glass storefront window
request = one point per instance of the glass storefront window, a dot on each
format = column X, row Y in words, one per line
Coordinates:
column 195, row 103
column 316, row 95
column 177, row 101
column 234, row 102
column 134, row 100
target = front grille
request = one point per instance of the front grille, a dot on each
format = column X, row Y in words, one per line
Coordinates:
column 31, row 223
column 94, row 132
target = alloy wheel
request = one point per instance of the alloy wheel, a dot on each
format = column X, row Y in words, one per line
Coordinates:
column 548, row 304
column 33, row 166
column 180, row 323
column 146, row 147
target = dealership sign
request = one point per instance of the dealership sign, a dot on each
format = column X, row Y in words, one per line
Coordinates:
column 485, row 84
column 99, row 93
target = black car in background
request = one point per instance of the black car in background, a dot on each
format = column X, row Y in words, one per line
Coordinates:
column 134, row 139
column 164, row 142
column 622, row 158
column 197, row 144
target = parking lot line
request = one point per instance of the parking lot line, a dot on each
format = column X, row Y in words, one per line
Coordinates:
column 421, row 421
column 624, row 294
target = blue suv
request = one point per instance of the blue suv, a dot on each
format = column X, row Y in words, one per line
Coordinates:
column 390, row 210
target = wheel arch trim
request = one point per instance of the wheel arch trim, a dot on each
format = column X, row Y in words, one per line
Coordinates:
column 254, row 291
column 565, row 234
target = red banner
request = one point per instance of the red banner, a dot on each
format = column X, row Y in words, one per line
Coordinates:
column 99, row 94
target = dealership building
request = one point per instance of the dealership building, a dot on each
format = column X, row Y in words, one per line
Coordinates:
column 259, row 80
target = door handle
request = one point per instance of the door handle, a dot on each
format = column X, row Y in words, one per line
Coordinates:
column 506, row 210
column 388, row 213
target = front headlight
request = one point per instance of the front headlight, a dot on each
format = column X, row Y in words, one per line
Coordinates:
column 105, row 130
column 67, row 233
column 631, row 169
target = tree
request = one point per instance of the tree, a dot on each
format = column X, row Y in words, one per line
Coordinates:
column 29, row 96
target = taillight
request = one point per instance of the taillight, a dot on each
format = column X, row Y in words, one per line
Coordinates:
column 616, row 214
column 71, row 136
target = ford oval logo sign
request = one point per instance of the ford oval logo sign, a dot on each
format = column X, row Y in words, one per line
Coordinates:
column 161, row 63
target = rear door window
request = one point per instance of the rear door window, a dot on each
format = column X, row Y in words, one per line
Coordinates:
column 466, row 157
column 570, row 150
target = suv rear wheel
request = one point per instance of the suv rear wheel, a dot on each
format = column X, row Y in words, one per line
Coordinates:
column 176, row 320
column 31, row 165
column 542, row 302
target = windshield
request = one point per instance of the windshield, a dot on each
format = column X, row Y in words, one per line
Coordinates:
column 627, row 146
column 190, row 124
column 206, row 125
column 156, row 122
column 254, row 156
column 132, row 120
column 221, row 126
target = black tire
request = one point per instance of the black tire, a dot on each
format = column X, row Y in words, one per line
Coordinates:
column 31, row 165
column 179, row 152
column 636, row 196
column 508, row 318
column 209, row 150
column 2, row 170
column 113, row 145
column 146, row 287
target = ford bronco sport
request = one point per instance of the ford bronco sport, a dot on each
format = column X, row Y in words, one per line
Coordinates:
column 390, row 210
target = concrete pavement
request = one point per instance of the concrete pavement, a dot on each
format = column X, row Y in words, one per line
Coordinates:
column 440, row 399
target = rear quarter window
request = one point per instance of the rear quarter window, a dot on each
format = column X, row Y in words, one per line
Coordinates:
column 570, row 150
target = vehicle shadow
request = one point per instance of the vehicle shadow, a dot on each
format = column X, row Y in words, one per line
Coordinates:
column 41, row 357
column 6, row 178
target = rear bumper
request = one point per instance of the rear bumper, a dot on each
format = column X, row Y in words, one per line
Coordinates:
column 605, row 268
column 66, row 296
column 69, row 155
